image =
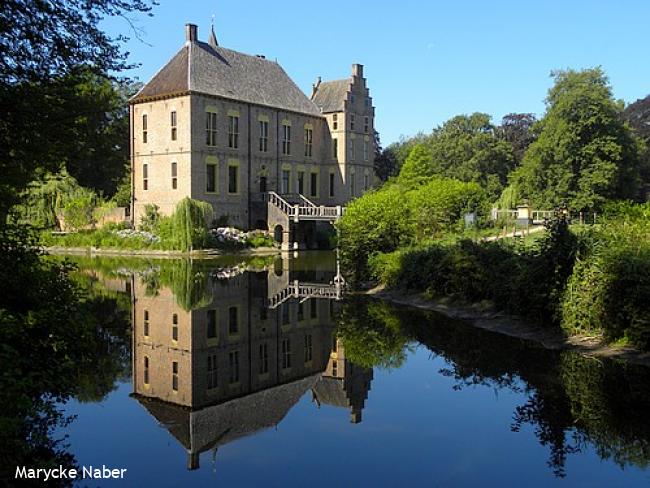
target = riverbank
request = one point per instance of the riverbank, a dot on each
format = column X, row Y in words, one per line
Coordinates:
column 483, row 315
column 158, row 253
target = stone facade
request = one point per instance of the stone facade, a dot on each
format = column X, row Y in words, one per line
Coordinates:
column 191, row 137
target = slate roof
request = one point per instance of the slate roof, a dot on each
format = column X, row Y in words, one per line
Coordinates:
column 217, row 425
column 214, row 70
column 331, row 95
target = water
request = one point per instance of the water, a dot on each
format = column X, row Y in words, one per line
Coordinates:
column 319, row 391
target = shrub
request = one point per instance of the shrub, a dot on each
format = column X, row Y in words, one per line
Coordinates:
column 78, row 212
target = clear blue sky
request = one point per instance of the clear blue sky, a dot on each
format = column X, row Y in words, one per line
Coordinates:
column 425, row 61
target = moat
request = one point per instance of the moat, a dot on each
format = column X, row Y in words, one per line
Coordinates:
column 260, row 371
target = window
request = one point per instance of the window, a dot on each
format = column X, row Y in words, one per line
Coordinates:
column 309, row 138
column 233, row 320
column 286, row 353
column 352, row 121
column 174, row 176
column 313, row 186
column 286, row 138
column 173, row 124
column 174, row 375
column 366, row 150
column 352, row 184
column 331, row 185
column 144, row 129
column 335, row 122
column 352, row 150
column 175, row 327
column 146, row 370
column 233, row 362
column 211, row 178
column 233, row 178
column 308, row 348
column 211, row 330
column 335, row 365
column 211, row 378
column 313, row 309
column 211, row 128
column 301, row 182
column 366, row 182
column 263, row 188
column 146, row 323
column 145, row 176
column 301, row 311
column 286, row 180
column 233, row 131
column 335, row 148
column 264, row 136
column 264, row 358
column 352, row 98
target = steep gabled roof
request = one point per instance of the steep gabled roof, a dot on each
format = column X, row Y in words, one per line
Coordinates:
column 330, row 96
column 213, row 70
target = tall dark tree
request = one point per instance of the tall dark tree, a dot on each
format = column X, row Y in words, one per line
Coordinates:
column 385, row 160
column 585, row 154
column 46, row 52
column 637, row 114
column 517, row 130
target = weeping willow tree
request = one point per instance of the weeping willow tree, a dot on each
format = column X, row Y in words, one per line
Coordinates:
column 188, row 282
column 47, row 197
column 189, row 224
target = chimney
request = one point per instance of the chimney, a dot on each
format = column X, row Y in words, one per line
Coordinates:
column 191, row 32
column 192, row 457
column 357, row 70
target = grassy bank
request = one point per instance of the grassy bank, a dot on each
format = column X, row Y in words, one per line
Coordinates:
column 584, row 280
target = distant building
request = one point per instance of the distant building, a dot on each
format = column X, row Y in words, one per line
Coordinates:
column 226, row 128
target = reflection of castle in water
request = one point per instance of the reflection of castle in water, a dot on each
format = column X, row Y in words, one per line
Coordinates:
column 236, row 366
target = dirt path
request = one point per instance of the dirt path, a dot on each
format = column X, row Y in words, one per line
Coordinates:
column 485, row 317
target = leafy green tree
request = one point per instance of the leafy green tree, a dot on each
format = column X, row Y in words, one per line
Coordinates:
column 47, row 50
column 467, row 148
column 386, row 164
column 585, row 154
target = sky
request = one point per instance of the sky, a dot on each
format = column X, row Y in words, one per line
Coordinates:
column 425, row 61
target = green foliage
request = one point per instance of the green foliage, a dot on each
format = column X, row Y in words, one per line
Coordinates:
column 467, row 148
column 150, row 220
column 45, row 199
column 371, row 333
column 439, row 206
column 585, row 154
column 609, row 290
column 376, row 222
column 78, row 211
column 391, row 217
column 189, row 224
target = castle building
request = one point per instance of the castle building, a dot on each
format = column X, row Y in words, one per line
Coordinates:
column 226, row 128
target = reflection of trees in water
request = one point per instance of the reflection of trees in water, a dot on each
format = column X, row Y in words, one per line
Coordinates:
column 372, row 334
column 572, row 402
column 60, row 342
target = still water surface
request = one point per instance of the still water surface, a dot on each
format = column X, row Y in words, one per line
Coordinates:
column 259, row 374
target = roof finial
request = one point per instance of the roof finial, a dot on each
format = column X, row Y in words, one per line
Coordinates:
column 213, row 38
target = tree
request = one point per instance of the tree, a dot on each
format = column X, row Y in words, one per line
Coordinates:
column 637, row 115
column 47, row 50
column 385, row 160
column 585, row 154
column 517, row 130
column 466, row 148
